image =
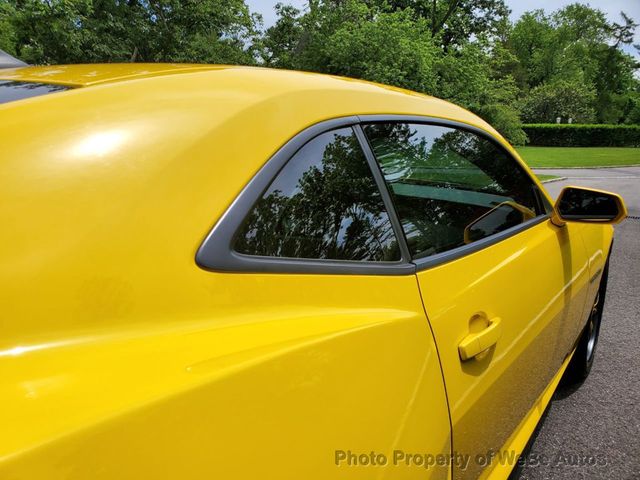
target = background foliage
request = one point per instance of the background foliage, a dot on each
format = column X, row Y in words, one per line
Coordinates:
column 553, row 135
column 568, row 63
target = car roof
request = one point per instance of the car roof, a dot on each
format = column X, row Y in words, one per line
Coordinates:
column 277, row 82
column 94, row 74
column 193, row 88
column 154, row 149
column 254, row 84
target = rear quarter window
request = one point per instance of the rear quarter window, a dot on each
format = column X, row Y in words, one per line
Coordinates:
column 12, row 90
column 324, row 204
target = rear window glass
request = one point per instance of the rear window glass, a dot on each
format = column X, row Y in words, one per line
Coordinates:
column 324, row 204
column 11, row 90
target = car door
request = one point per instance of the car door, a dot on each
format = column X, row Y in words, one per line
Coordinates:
column 503, row 288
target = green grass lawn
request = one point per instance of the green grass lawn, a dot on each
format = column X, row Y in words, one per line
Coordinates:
column 567, row 157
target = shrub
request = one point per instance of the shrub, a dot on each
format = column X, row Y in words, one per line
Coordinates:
column 560, row 99
column 577, row 135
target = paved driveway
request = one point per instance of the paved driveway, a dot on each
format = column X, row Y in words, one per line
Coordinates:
column 623, row 180
column 594, row 431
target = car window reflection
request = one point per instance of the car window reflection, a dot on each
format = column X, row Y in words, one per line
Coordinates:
column 12, row 90
column 443, row 179
column 323, row 205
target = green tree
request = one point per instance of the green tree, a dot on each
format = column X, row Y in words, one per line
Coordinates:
column 7, row 30
column 560, row 99
column 282, row 41
column 470, row 76
column 575, row 44
column 72, row 31
column 392, row 48
column 454, row 22
column 534, row 41
column 355, row 40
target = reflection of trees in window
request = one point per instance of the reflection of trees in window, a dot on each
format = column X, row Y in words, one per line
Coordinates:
column 498, row 170
column 426, row 154
column 451, row 158
column 442, row 179
column 397, row 154
column 11, row 90
column 32, row 86
column 331, row 210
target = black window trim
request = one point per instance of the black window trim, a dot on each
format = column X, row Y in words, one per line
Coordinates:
column 216, row 252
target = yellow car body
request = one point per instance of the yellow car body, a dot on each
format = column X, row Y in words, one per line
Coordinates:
column 121, row 357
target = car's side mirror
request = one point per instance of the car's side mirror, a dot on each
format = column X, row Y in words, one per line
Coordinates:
column 577, row 204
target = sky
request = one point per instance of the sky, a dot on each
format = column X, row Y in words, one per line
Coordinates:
column 611, row 7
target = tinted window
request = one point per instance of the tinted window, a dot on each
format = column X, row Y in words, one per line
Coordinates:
column 450, row 187
column 324, row 204
column 10, row 90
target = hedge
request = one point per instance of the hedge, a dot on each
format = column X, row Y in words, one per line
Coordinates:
column 578, row 135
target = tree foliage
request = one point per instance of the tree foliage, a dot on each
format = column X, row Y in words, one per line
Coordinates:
column 391, row 48
column 70, row 31
column 455, row 21
column 565, row 99
column 7, row 30
column 574, row 46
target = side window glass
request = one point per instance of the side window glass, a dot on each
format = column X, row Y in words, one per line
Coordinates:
column 450, row 187
column 324, row 204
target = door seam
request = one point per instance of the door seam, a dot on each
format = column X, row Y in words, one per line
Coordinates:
column 444, row 381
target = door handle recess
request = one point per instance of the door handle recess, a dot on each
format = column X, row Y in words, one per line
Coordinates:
column 476, row 343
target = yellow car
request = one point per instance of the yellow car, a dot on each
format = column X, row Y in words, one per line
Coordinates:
column 213, row 272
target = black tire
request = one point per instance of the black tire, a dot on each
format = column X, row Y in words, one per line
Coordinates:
column 582, row 361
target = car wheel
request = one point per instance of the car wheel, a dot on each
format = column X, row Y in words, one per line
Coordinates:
column 582, row 361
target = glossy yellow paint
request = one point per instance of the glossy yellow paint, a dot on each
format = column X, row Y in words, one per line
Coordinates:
column 94, row 74
column 120, row 358
column 540, row 306
column 503, row 462
column 479, row 341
